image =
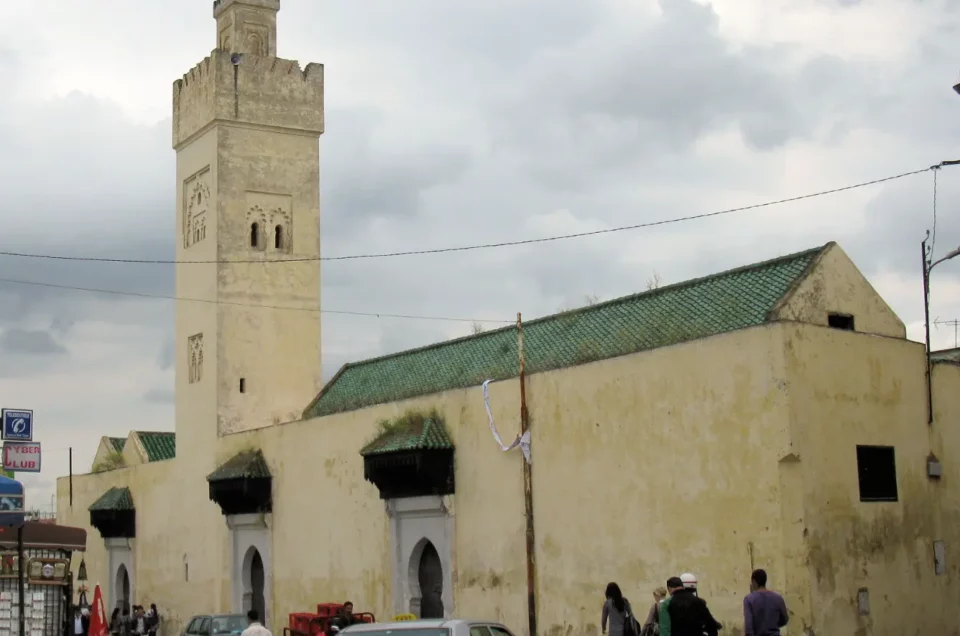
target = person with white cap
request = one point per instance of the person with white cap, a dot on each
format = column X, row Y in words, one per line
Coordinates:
column 686, row 614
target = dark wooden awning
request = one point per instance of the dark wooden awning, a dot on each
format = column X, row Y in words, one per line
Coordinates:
column 45, row 536
column 243, row 485
column 412, row 456
column 114, row 514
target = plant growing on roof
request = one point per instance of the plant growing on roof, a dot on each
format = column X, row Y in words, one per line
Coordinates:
column 411, row 421
column 112, row 461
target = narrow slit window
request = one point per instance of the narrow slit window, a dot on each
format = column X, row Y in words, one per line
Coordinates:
column 278, row 237
column 254, row 234
column 841, row 321
column 243, row 385
column 877, row 473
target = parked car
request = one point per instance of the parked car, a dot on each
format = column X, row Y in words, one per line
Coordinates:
column 452, row 627
column 215, row 625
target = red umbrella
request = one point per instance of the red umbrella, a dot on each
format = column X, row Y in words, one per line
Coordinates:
column 98, row 615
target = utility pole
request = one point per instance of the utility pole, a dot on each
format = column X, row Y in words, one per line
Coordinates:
column 527, row 492
column 928, row 265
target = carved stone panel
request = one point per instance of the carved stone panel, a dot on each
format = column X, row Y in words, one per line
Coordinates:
column 196, row 206
column 195, row 357
column 255, row 39
column 224, row 44
column 270, row 222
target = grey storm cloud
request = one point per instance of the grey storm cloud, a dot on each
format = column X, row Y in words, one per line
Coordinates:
column 30, row 342
column 162, row 395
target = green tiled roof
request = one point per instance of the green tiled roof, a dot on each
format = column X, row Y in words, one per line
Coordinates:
column 409, row 433
column 694, row 309
column 248, row 464
column 945, row 355
column 118, row 443
column 114, row 499
column 159, row 446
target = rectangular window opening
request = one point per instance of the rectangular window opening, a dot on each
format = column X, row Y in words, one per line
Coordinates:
column 877, row 473
column 243, row 385
column 841, row 321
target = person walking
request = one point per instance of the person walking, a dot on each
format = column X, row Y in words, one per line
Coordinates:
column 651, row 626
column 152, row 622
column 255, row 628
column 685, row 613
column 81, row 621
column 617, row 610
column 116, row 623
column 764, row 611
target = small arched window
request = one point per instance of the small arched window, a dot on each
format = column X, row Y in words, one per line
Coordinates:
column 254, row 234
column 278, row 237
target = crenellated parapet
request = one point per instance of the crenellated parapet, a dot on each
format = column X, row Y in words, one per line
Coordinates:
column 248, row 89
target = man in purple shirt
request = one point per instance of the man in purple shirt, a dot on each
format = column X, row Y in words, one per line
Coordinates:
column 764, row 611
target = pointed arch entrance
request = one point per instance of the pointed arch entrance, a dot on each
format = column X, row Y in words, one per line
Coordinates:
column 254, row 578
column 426, row 581
column 122, row 587
column 421, row 537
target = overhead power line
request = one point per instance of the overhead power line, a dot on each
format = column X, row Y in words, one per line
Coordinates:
column 114, row 292
column 482, row 246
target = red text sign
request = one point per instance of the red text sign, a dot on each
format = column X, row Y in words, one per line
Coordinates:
column 21, row 457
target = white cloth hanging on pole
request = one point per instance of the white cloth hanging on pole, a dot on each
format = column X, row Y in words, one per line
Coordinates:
column 523, row 441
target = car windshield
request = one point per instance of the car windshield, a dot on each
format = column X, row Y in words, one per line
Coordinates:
column 409, row 631
column 229, row 624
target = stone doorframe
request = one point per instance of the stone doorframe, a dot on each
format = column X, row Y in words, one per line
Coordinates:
column 249, row 532
column 119, row 553
column 413, row 522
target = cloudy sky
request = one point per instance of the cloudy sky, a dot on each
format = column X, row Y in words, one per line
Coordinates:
column 456, row 123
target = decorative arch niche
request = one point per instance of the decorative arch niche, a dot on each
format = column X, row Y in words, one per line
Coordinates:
column 411, row 462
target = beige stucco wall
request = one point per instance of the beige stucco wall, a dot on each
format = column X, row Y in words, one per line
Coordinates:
column 848, row 389
column 275, row 351
column 835, row 285
column 714, row 456
column 331, row 535
column 690, row 438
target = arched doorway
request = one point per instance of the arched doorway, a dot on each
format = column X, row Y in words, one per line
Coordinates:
column 253, row 584
column 122, row 587
column 428, row 584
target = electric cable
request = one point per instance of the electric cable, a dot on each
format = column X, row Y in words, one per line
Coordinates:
column 480, row 246
column 115, row 292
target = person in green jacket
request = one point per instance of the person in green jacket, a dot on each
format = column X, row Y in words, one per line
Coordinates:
column 673, row 584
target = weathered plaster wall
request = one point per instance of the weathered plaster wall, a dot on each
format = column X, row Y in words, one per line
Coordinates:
column 648, row 466
column 836, row 286
column 177, row 528
column 630, row 427
column 256, row 90
column 272, row 179
column 848, row 389
column 725, row 454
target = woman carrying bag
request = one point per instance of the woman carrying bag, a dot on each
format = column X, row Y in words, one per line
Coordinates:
column 617, row 610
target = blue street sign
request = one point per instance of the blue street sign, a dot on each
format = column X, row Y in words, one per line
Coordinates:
column 17, row 425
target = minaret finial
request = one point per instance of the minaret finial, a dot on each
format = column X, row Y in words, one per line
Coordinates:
column 247, row 26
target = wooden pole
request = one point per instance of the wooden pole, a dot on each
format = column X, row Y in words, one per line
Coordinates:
column 527, row 492
column 70, row 461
